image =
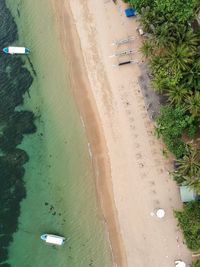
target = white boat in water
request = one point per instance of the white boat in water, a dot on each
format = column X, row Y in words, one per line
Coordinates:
column 53, row 239
column 16, row 50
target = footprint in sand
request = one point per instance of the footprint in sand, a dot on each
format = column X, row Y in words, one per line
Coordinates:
column 151, row 141
column 156, row 202
column 141, row 165
column 143, row 175
column 144, row 115
column 128, row 112
column 138, row 156
column 131, row 119
column 149, row 133
column 147, row 124
column 154, row 152
column 137, row 145
column 160, row 171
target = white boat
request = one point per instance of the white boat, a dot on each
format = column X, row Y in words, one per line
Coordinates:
column 16, row 50
column 53, row 239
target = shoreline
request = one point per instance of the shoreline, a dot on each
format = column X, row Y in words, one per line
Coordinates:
column 125, row 151
column 91, row 123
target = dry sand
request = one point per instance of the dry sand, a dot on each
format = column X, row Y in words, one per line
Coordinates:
column 132, row 175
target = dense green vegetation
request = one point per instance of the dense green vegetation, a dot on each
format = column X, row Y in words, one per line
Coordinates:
column 190, row 224
column 173, row 54
column 171, row 124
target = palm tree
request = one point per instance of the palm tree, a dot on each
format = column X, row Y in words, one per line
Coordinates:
column 192, row 104
column 186, row 35
column 163, row 36
column 192, row 76
column 177, row 95
column 147, row 48
column 189, row 168
column 179, row 57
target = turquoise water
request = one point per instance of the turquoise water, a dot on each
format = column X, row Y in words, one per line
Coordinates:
column 59, row 179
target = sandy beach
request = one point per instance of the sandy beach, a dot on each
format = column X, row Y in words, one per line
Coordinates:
column 131, row 173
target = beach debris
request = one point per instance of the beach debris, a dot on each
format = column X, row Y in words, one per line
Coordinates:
column 140, row 31
column 124, row 41
column 130, row 12
column 124, row 53
column 126, row 62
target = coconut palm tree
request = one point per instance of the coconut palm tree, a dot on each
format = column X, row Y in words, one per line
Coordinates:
column 188, row 170
column 192, row 77
column 192, row 104
column 179, row 57
column 147, row 48
column 185, row 35
column 177, row 95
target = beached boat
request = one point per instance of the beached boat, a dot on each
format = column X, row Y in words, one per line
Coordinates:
column 16, row 50
column 53, row 239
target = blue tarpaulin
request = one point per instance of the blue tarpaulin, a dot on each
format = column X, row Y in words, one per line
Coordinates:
column 130, row 12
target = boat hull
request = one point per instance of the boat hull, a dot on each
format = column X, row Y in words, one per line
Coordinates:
column 16, row 50
column 53, row 239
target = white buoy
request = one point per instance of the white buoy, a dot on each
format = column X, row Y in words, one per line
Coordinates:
column 160, row 213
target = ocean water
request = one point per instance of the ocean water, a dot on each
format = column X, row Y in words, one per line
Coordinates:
column 60, row 194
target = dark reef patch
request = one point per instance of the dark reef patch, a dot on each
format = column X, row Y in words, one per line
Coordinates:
column 15, row 80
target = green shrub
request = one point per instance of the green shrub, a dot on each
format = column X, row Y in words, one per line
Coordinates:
column 189, row 222
column 170, row 125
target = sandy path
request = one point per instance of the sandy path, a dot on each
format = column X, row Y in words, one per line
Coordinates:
column 140, row 181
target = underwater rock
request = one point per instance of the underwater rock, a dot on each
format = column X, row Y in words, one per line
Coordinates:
column 8, row 27
column 5, row 265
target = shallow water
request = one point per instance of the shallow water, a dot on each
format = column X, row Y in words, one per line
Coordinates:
column 59, row 179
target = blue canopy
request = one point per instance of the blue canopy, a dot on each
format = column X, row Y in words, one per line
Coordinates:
column 130, row 12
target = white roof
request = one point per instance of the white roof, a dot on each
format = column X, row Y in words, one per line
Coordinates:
column 54, row 240
column 16, row 50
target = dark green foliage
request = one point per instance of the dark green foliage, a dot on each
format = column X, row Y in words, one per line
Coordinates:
column 171, row 124
column 189, row 222
column 179, row 11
